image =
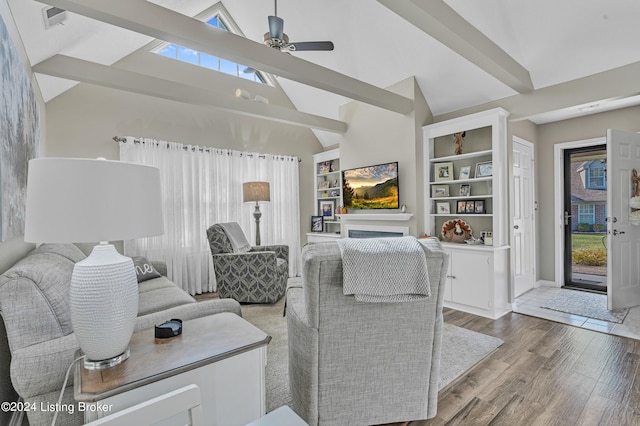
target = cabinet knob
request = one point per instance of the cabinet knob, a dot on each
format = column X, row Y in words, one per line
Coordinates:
column 516, row 227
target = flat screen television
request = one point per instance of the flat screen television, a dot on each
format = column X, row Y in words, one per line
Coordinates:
column 371, row 187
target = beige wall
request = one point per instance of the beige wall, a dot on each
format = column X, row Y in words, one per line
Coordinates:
column 378, row 136
column 582, row 128
column 83, row 120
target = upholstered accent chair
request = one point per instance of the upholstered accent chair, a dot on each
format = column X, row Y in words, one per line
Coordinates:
column 247, row 274
column 355, row 363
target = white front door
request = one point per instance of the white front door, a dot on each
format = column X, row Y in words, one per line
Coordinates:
column 523, row 242
column 623, row 239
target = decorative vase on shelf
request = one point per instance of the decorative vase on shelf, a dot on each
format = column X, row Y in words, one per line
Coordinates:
column 403, row 208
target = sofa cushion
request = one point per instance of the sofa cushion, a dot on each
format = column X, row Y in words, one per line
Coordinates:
column 34, row 297
column 158, row 294
column 144, row 269
column 68, row 251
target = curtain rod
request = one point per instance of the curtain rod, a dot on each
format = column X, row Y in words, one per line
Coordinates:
column 122, row 139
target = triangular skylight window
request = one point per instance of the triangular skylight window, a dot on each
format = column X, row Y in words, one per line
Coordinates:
column 222, row 20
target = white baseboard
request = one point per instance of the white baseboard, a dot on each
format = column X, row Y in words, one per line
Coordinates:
column 545, row 283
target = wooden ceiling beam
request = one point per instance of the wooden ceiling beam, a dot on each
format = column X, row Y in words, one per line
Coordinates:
column 150, row 19
column 105, row 76
column 441, row 22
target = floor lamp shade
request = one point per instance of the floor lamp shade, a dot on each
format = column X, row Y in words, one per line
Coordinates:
column 256, row 191
column 86, row 200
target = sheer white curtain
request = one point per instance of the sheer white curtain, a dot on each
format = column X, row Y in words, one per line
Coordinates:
column 201, row 187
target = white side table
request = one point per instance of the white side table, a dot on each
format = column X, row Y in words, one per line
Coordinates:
column 223, row 354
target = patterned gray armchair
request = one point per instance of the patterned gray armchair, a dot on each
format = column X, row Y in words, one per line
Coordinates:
column 244, row 273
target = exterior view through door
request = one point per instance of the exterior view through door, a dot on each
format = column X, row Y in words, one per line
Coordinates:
column 585, row 212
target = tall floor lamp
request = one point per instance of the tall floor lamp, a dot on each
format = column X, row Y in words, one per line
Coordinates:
column 256, row 191
column 73, row 200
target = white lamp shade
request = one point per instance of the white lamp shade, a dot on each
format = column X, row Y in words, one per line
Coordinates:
column 77, row 200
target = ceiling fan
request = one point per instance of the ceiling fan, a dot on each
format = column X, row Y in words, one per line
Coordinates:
column 277, row 39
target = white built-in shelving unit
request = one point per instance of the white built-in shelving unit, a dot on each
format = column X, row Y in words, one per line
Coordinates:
column 327, row 180
column 477, row 281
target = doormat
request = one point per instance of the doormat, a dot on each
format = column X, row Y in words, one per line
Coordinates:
column 585, row 304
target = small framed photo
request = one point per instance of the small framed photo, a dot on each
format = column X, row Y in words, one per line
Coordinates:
column 326, row 167
column 484, row 169
column 470, row 207
column 317, row 224
column 323, row 184
column 487, row 237
column 440, row 191
column 465, row 190
column 462, row 207
column 442, row 208
column 479, row 207
column 443, row 171
column 465, row 172
column 327, row 209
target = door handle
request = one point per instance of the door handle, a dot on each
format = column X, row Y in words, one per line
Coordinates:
column 566, row 217
column 616, row 232
column 516, row 227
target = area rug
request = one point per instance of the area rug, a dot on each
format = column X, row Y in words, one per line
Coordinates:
column 461, row 350
column 585, row 304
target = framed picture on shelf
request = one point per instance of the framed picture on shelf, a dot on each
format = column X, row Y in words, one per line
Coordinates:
column 465, row 190
column 440, row 191
column 317, row 224
column 464, row 172
column 462, row 207
column 327, row 209
column 442, row 208
column 479, row 207
column 323, row 184
column 484, row 169
column 326, row 167
column 443, row 171
column 470, row 207
column 487, row 237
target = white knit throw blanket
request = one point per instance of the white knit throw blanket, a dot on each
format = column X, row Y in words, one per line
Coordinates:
column 383, row 270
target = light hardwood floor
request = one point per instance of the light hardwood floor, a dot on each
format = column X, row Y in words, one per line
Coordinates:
column 546, row 373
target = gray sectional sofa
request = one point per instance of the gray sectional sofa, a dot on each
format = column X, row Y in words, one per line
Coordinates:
column 36, row 333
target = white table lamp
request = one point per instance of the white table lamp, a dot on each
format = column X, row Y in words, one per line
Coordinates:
column 256, row 191
column 72, row 200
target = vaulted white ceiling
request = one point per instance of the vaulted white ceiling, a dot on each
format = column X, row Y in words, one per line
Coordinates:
column 555, row 41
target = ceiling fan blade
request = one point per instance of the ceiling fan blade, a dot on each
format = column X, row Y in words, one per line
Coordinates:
column 276, row 27
column 310, row 45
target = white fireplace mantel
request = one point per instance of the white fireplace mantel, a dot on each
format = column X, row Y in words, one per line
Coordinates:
column 375, row 216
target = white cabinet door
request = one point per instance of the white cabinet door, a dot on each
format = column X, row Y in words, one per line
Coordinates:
column 448, row 283
column 470, row 279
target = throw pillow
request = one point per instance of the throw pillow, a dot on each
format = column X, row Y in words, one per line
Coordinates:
column 144, row 269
